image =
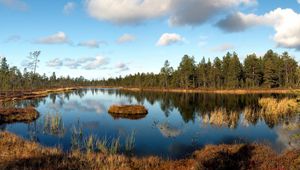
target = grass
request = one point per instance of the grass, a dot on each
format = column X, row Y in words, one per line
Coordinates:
column 13, row 115
column 53, row 125
column 17, row 153
column 130, row 143
column 128, row 109
column 272, row 106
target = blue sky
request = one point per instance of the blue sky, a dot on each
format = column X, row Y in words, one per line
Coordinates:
column 107, row 38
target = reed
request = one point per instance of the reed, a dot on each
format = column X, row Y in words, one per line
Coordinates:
column 130, row 142
column 53, row 125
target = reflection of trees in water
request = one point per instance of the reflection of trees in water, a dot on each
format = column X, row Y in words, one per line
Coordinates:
column 221, row 117
column 22, row 103
column 219, row 109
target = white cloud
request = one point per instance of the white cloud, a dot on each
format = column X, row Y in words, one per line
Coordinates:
column 54, row 63
column 87, row 63
column 91, row 43
column 15, row 4
column 126, row 11
column 298, row 1
column 179, row 12
column 169, row 39
column 97, row 63
column 126, row 38
column 57, row 38
column 223, row 47
column 69, row 7
column 285, row 22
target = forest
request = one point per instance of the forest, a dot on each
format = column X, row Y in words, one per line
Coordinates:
column 268, row 71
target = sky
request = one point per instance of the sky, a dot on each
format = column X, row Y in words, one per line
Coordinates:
column 107, row 38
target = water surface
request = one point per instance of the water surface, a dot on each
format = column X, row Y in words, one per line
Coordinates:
column 175, row 126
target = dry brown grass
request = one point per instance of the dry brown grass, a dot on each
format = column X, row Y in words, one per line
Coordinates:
column 128, row 109
column 12, row 115
column 278, row 107
column 17, row 153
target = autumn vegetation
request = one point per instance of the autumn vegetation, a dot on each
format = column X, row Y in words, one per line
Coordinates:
column 16, row 153
column 13, row 115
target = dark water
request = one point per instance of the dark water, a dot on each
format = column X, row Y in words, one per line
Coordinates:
column 175, row 126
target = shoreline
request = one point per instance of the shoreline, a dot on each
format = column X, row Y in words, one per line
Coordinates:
column 215, row 91
column 21, row 95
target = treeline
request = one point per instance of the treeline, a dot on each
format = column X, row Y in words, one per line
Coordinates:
column 12, row 79
column 268, row 71
column 271, row 70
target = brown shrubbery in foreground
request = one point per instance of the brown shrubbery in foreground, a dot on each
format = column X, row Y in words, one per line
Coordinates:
column 17, row 153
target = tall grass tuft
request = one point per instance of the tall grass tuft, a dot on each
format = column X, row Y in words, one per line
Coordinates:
column 77, row 140
column 102, row 145
column 89, row 144
column 53, row 125
column 115, row 146
column 130, row 142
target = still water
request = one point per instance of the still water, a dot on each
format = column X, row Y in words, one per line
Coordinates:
column 176, row 123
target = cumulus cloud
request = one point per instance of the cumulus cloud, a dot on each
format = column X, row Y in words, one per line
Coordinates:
column 13, row 38
column 126, row 11
column 96, row 63
column 125, row 38
column 179, row 12
column 195, row 12
column 54, row 63
column 87, row 63
column 223, row 47
column 285, row 22
column 69, row 7
column 91, row 43
column 15, row 4
column 57, row 38
column 169, row 39
column 298, row 1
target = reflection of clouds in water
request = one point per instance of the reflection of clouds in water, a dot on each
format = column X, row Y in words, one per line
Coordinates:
column 287, row 135
column 168, row 130
column 84, row 106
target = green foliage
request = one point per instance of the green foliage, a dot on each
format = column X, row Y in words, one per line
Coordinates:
column 271, row 70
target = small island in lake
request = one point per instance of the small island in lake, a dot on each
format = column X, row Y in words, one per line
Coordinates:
column 128, row 109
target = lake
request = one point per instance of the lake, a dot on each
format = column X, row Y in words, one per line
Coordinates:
column 176, row 124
